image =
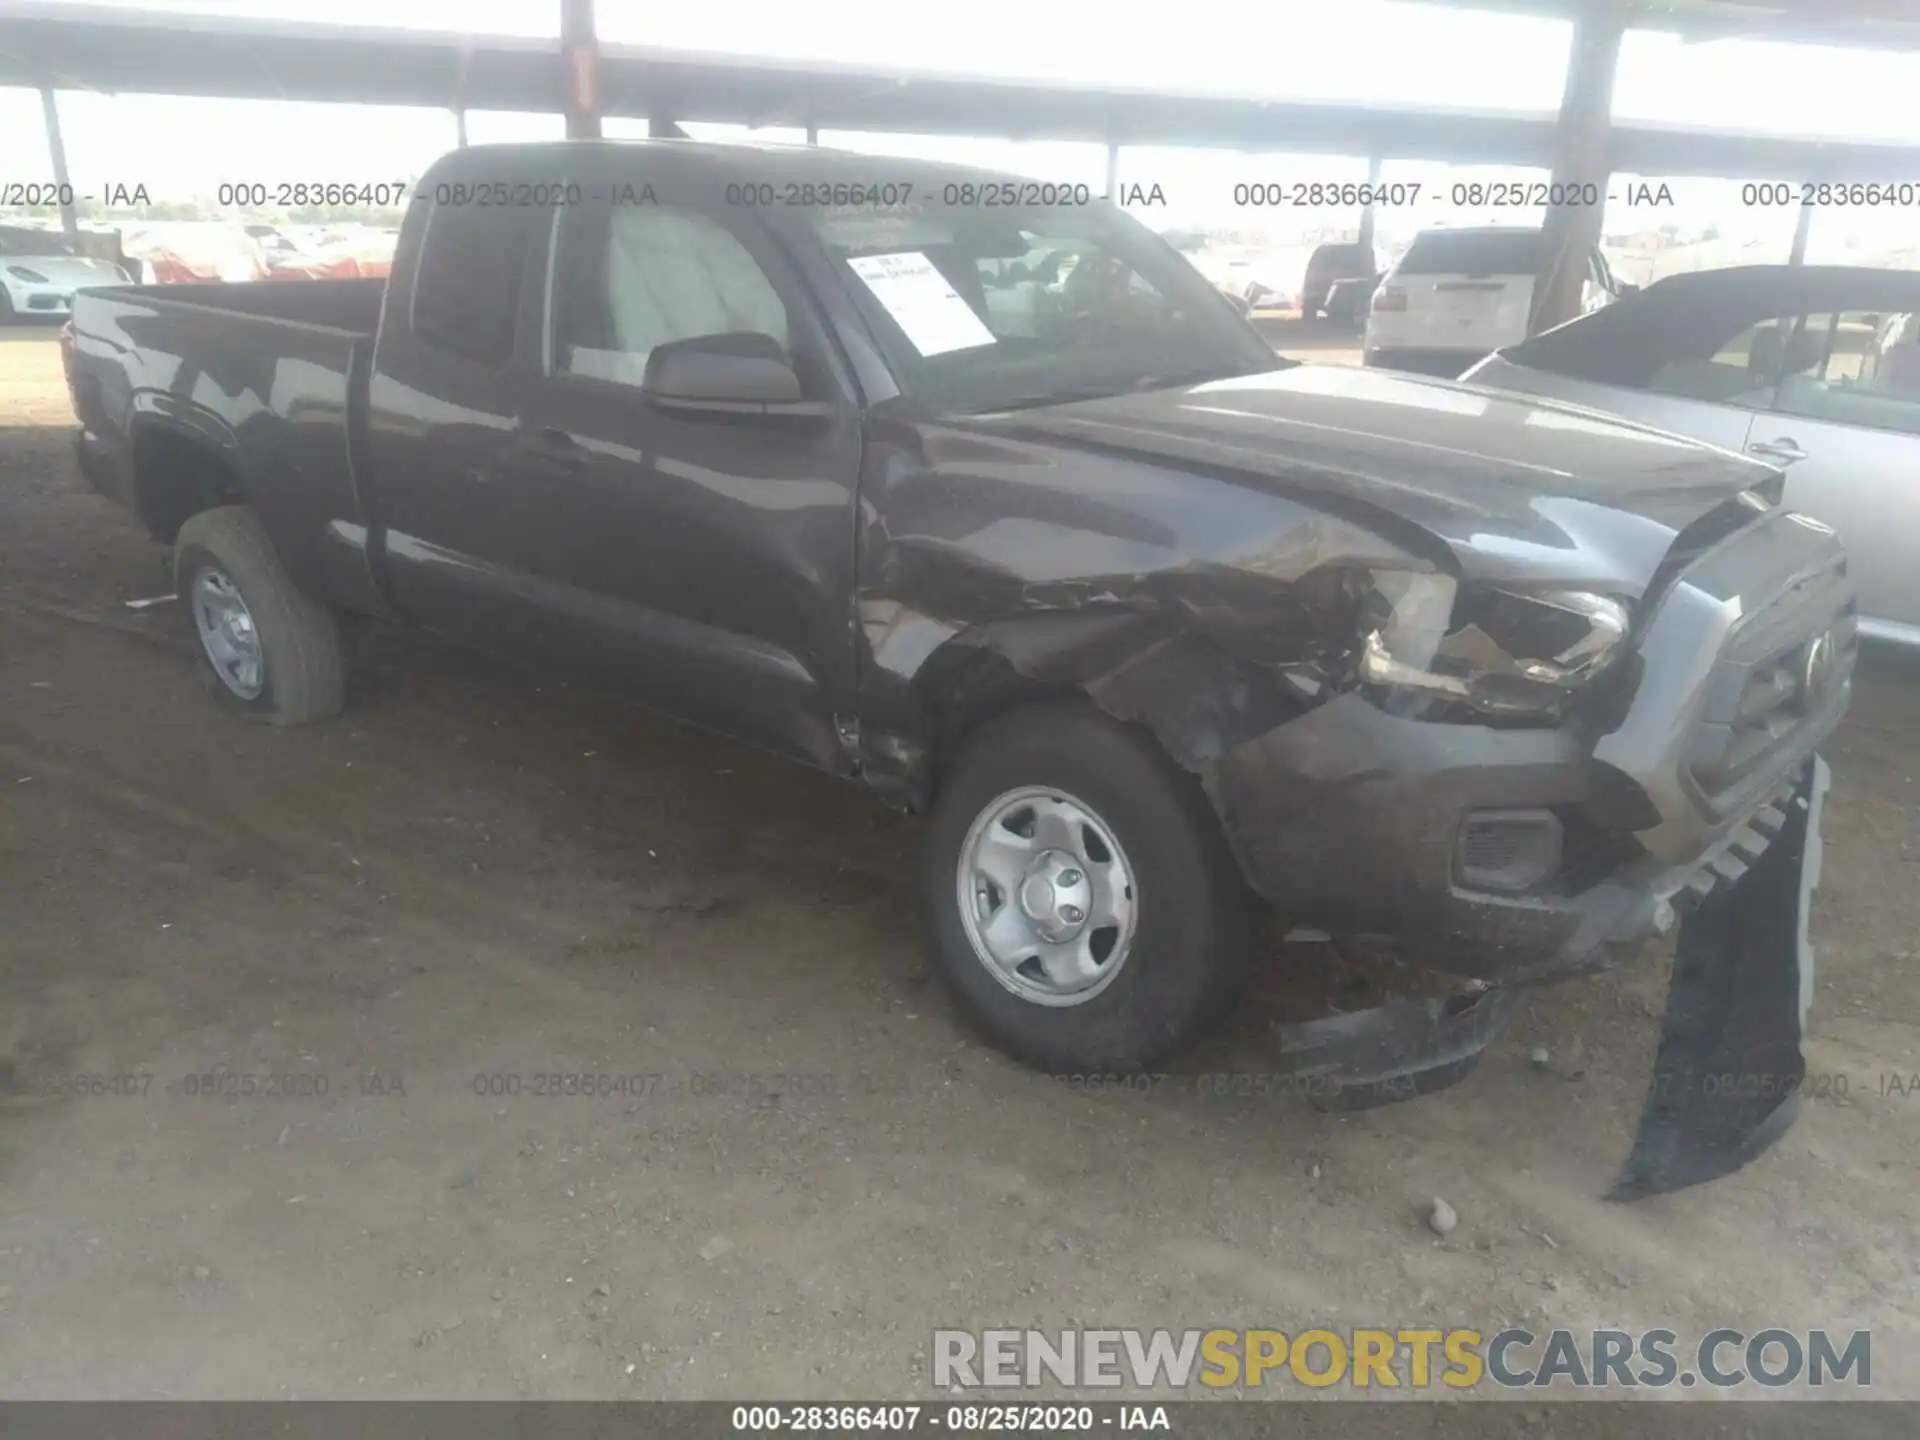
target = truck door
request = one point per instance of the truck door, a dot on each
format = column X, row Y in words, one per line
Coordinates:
column 703, row 564
column 443, row 406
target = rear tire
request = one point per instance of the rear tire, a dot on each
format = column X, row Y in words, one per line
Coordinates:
column 1179, row 955
column 266, row 649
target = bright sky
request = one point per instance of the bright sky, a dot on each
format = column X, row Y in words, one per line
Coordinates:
column 1357, row 50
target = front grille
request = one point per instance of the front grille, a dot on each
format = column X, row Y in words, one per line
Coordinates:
column 1779, row 672
column 1747, row 655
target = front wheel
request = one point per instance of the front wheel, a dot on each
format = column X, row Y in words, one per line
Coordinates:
column 1078, row 897
column 267, row 649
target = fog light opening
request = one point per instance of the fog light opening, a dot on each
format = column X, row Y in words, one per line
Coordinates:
column 1508, row 852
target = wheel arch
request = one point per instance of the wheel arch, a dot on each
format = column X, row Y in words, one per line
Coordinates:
column 1143, row 669
column 184, row 461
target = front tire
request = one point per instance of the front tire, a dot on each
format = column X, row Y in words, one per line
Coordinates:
column 267, row 650
column 1078, row 898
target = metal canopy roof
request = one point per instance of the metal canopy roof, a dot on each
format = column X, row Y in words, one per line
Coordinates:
column 116, row 51
column 1865, row 24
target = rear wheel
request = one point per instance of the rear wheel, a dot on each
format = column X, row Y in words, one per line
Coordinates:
column 267, row 649
column 1078, row 898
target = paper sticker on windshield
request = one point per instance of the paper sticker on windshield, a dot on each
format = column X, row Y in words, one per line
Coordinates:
column 922, row 302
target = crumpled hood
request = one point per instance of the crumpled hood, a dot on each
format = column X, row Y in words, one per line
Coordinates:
column 67, row 270
column 1515, row 489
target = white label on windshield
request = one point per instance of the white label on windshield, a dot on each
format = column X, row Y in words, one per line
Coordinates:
column 922, row 302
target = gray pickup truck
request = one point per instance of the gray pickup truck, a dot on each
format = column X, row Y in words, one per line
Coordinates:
column 970, row 490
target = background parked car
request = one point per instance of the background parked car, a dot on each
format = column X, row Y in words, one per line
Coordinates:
column 1458, row 295
column 182, row 252
column 1331, row 263
column 1256, row 284
column 274, row 245
column 1814, row 369
column 39, row 271
column 1348, row 301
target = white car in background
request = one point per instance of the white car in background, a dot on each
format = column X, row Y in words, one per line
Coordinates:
column 1459, row 295
column 1260, row 284
column 39, row 272
column 1813, row 369
column 273, row 243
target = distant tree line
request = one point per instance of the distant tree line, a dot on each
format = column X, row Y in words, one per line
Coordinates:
column 378, row 216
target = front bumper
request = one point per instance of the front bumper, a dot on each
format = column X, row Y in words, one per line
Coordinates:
column 1350, row 819
column 1727, row 1079
column 31, row 299
column 1704, row 794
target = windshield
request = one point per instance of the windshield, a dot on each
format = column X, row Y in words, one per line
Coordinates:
column 984, row 308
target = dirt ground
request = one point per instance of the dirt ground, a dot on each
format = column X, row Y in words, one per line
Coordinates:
column 467, row 879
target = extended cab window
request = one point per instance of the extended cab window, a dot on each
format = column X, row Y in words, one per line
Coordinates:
column 632, row 277
column 466, row 294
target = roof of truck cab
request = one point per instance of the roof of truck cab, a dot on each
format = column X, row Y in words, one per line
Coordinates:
column 743, row 161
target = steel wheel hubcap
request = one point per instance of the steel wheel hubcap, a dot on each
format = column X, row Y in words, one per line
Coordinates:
column 1046, row 896
column 227, row 634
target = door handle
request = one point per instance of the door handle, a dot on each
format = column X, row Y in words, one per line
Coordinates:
column 1783, row 451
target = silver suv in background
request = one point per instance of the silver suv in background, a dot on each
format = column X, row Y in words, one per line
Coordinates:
column 1814, row 369
column 1459, row 295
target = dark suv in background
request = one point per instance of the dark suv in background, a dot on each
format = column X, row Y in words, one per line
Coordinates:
column 1329, row 263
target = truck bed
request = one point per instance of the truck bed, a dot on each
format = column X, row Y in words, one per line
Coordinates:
column 350, row 305
column 259, row 376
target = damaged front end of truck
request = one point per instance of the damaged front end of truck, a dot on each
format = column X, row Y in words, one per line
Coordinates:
column 1501, row 779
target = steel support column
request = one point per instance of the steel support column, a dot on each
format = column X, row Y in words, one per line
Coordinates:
column 1581, row 159
column 460, row 96
column 1802, row 230
column 57, row 149
column 580, row 56
column 813, row 133
column 1367, row 211
column 1113, row 171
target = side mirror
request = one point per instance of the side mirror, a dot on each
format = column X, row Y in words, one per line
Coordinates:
column 732, row 376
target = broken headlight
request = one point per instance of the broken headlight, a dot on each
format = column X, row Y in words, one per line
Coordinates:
column 1425, row 638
